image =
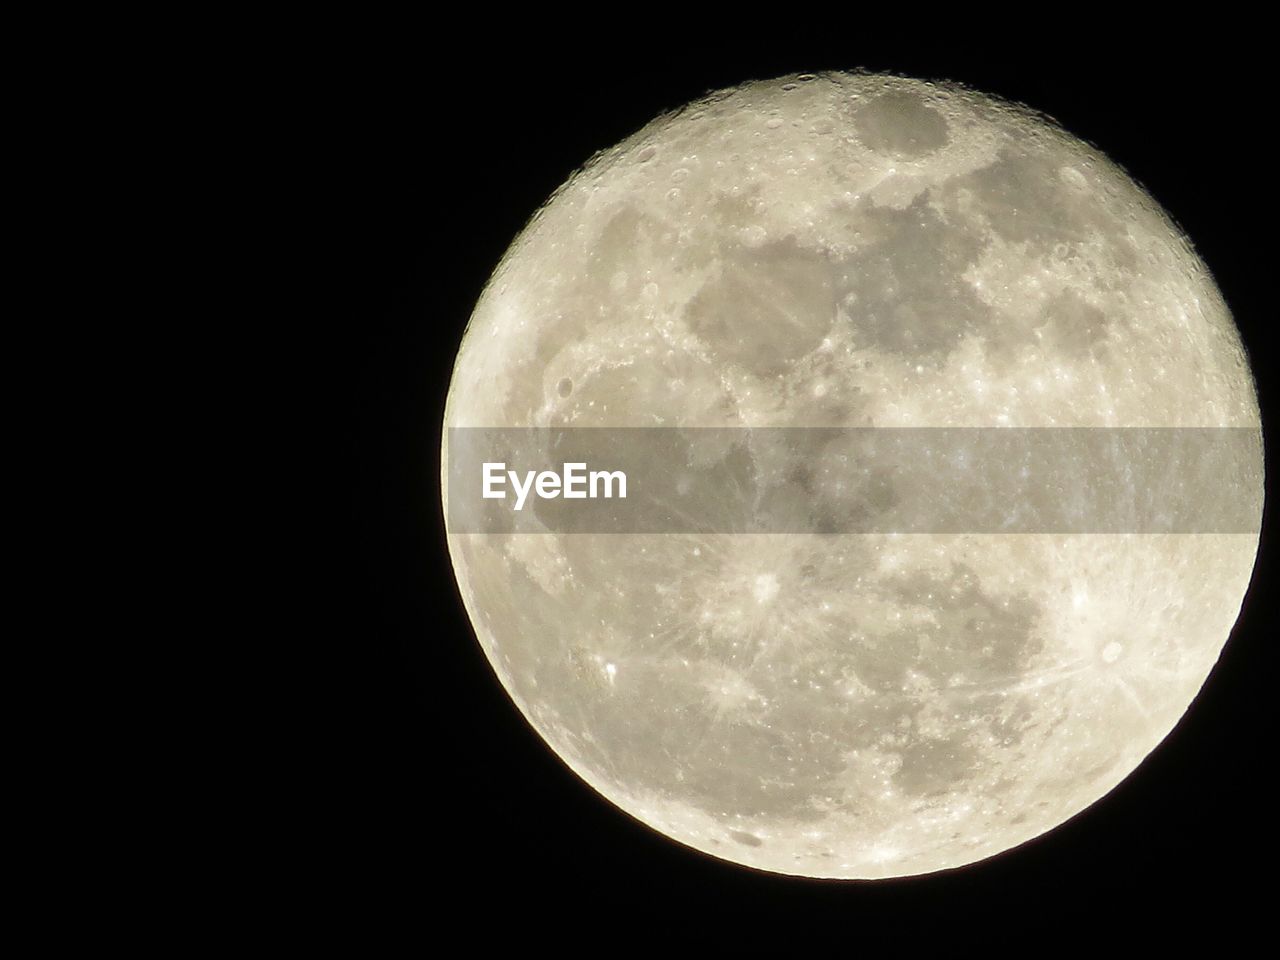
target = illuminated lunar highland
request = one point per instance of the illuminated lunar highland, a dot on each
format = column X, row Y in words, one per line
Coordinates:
column 852, row 250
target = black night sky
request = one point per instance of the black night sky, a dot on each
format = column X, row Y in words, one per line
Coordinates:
column 442, row 808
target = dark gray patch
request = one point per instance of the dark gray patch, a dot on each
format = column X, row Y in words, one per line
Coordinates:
column 846, row 487
column 1024, row 199
column 899, row 123
column 1070, row 325
column 906, row 293
column 934, row 766
column 747, row 839
column 766, row 308
column 1017, row 195
column 736, row 211
column 1066, row 325
column 973, row 645
column 971, row 634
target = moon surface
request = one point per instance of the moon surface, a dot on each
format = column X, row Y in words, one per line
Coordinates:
column 869, row 251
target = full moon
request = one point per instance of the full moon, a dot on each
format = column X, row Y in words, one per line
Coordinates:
column 853, row 250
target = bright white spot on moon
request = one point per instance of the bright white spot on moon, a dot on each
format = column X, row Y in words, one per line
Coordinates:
column 854, row 251
column 766, row 587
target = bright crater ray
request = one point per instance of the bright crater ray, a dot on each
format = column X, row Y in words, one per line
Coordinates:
column 852, row 250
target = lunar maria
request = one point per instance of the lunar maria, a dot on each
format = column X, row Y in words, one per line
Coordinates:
column 857, row 252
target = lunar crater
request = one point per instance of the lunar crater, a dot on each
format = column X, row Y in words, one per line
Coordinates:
column 889, row 253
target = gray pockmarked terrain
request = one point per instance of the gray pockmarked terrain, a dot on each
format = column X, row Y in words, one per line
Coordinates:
column 853, row 251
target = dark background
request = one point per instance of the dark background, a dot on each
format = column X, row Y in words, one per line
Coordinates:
column 433, row 150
